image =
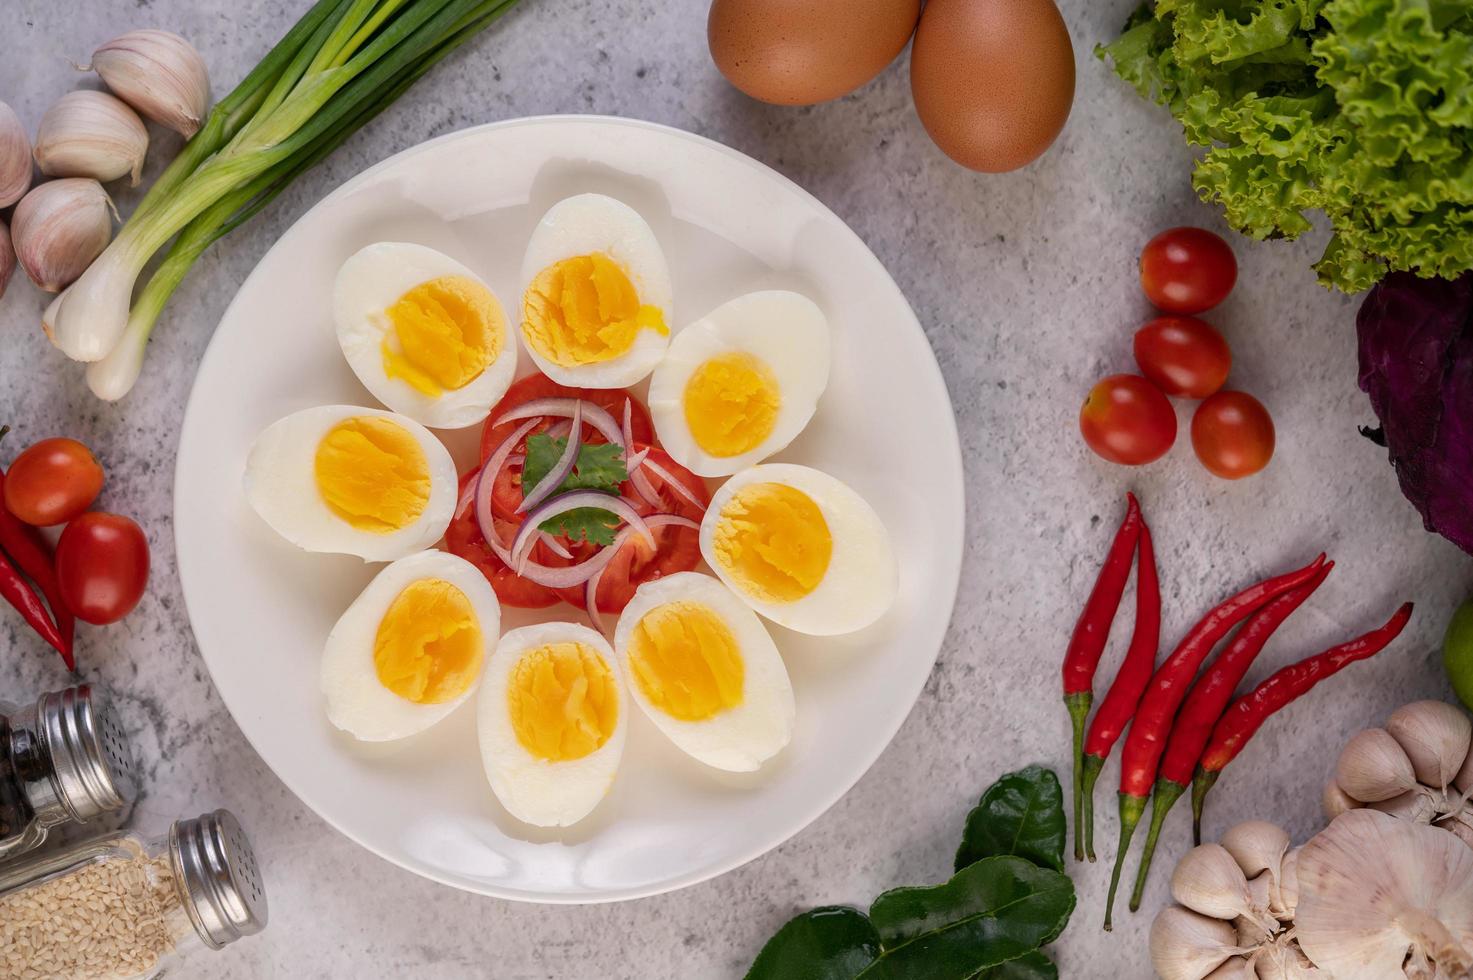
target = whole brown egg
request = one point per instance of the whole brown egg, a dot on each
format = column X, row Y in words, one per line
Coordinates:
column 798, row 52
column 993, row 80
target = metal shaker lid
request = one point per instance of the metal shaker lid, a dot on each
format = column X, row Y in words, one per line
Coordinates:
column 218, row 877
column 91, row 759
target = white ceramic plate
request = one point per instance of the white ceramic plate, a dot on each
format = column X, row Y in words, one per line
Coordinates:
column 261, row 609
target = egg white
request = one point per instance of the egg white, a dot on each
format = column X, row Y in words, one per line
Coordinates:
column 373, row 279
column 740, row 738
column 534, row 790
column 862, row 579
column 784, row 330
column 357, row 702
column 281, row 485
column 589, row 223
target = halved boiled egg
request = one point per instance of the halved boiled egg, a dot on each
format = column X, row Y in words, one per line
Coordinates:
column 801, row 548
column 355, row 481
column 596, row 307
column 740, row 383
column 551, row 722
column 411, row 648
column 425, row 335
column 701, row 665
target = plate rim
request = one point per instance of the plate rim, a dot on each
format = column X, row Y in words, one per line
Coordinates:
column 952, row 464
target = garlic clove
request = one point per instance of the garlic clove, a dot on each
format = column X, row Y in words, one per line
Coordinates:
column 1262, row 892
column 1413, row 805
column 1376, row 892
column 1233, row 968
column 1209, row 881
column 1288, row 899
column 1374, row 767
column 1435, row 735
column 48, row 315
column 1463, row 781
column 15, row 159
column 91, row 134
column 1188, row 946
column 1257, row 846
column 59, row 228
column 7, row 258
column 158, row 73
column 1335, row 801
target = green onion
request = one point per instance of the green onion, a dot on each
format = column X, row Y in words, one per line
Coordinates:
column 343, row 63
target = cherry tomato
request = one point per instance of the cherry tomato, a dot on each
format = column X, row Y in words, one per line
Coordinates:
column 102, row 566
column 1187, row 270
column 535, row 386
column 464, row 539
column 1183, row 356
column 1233, row 434
column 52, row 482
column 1126, row 419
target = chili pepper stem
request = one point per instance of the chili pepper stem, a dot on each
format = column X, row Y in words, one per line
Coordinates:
column 1131, row 809
column 1162, row 800
column 1092, row 766
column 1078, row 705
column 1201, row 783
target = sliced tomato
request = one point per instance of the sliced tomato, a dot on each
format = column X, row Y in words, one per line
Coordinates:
column 464, row 539
column 536, row 386
column 677, row 549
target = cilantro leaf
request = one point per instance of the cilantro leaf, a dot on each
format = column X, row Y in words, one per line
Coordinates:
column 600, row 466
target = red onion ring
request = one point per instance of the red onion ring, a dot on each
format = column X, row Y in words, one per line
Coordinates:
column 554, row 477
column 564, row 502
column 681, row 490
column 641, row 483
column 562, row 408
column 554, row 545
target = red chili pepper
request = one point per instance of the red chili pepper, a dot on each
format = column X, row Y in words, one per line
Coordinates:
column 26, row 548
column 1153, row 717
column 1204, row 705
column 1087, row 645
column 1130, row 680
column 1241, row 721
column 18, row 592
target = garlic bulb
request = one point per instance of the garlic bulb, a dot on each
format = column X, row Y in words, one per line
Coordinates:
column 158, row 73
column 1188, row 946
column 1374, row 767
column 7, row 258
column 1209, row 881
column 1463, row 781
column 1435, row 736
column 91, row 134
column 1335, row 802
column 59, row 228
column 15, row 160
column 1381, row 897
column 1258, row 846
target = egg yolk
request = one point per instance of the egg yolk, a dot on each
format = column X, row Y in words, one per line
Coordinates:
column 444, row 334
column 373, row 474
column 562, row 701
column 773, row 542
column 685, row 660
column 428, row 649
column 583, row 310
column 731, row 404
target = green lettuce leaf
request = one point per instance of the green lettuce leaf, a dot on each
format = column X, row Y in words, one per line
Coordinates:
column 1359, row 109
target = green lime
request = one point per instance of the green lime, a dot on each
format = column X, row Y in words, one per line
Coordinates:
column 1457, row 653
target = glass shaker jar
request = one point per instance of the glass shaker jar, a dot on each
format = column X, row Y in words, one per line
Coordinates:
column 64, row 758
column 123, row 906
